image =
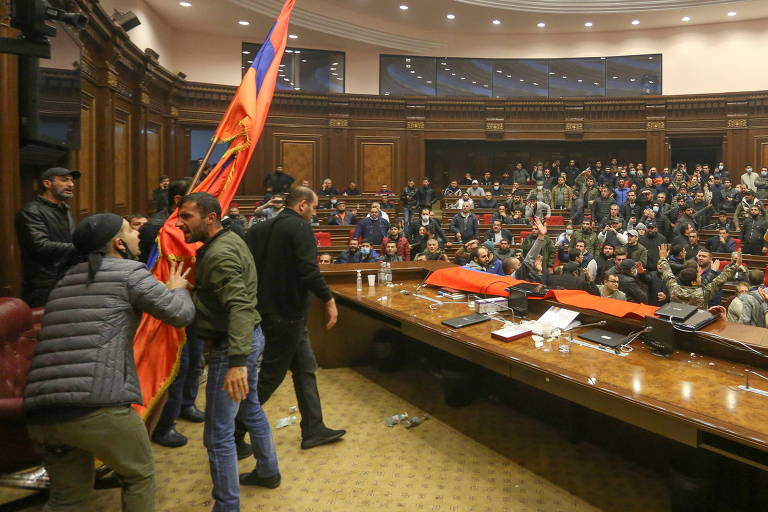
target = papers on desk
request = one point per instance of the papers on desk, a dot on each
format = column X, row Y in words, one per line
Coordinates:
column 511, row 332
column 559, row 318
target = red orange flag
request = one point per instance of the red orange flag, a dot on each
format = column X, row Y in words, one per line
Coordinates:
column 157, row 346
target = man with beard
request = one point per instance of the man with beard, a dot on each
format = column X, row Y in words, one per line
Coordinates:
column 588, row 236
column 651, row 241
column 753, row 232
column 279, row 181
column 44, row 228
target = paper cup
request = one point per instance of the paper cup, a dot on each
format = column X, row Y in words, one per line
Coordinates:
column 371, row 279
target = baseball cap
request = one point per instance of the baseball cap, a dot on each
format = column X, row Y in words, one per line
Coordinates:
column 59, row 171
column 571, row 266
column 615, row 220
column 641, row 226
column 649, row 225
column 475, row 182
column 632, row 232
column 627, row 265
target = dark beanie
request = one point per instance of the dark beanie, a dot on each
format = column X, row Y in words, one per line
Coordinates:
column 91, row 236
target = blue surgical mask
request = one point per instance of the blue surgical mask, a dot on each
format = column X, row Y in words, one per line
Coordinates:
column 365, row 251
column 632, row 172
column 568, row 231
column 655, row 209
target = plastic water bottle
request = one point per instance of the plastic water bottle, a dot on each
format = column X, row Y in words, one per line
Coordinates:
column 383, row 273
column 284, row 422
column 415, row 421
column 388, row 277
column 359, row 286
column 391, row 421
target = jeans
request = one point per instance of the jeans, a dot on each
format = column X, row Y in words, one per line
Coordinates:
column 407, row 214
column 114, row 435
column 182, row 393
column 218, row 435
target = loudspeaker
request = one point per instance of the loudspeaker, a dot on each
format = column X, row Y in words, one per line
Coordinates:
column 128, row 20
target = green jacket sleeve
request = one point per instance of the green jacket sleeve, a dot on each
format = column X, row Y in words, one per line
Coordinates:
column 227, row 279
column 669, row 278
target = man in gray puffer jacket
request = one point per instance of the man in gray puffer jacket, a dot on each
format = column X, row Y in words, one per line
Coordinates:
column 82, row 378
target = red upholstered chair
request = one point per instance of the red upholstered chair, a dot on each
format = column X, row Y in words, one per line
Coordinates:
column 487, row 218
column 737, row 241
column 323, row 238
column 18, row 336
column 524, row 234
column 556, row 220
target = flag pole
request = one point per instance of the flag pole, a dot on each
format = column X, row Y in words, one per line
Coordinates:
column 207, row 157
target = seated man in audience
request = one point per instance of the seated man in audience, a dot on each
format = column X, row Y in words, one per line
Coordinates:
column 352, row 189
column 693, row 246
column 387, row 197
column 721, row 242
column 496, row 234
column 464, row 199
column 486, row 180
column 501, row 214
column 497, row 190
column 504, row 250
column 515, row 202
column 689, row 289
column 628, row 283
column 465, row 225
column 466, row 180
column 537, row 209
column 509, row 266
column 267, row 210
column 487, row 201
column 571, row 279
column 390, row 253
column 327, row 190
column 402, row 248
column 234, row 215
column 610, row 288
column 452, row 190
column 351, row 254
column 475, row 190
column 518, row 219
column 749, row 305
column 372, row 228
column 341, row 217
column 432, row 252
column 724, row 222
column 324, row 259
column 482, row 260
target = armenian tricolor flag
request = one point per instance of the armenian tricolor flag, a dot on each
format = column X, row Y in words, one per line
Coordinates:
column 156, row 345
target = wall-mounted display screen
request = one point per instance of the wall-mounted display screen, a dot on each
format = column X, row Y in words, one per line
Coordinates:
column 318, row 71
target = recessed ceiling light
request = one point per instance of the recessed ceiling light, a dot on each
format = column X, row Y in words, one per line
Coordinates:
column 463, row 78
column 246, row 52
column 293, row 36
column 474, row 81
column 522, row 80
column 535, row 83
column 429, row 81
column 632, row 79
column 288, row 51
column 496, row 22
column 189, row 4
column 650, row 58
column 297, row 52
column 588, row 24
column 563, row 76
column 551, row 72
column 303, row 60
column 614, row 77
column 450, row 16
column 579, row 80
column 732, row 13
column 596, row 83
column 297, row 88
column 650, row 81
column 335, row 64
column 443, row 64
column 244, row 23
column 498, row 71
column 541, row 24
column 453, row 74
column 635, row 22
column 412, row 71
column 509, row 76
column 685, row 18
column 403, row 7
column 447, row 69
column 408, row 59
column 418, row 76
column 485, row 85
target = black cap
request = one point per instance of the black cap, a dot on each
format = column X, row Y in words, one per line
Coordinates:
column 570, row 267
column 93, row 233
column 650, row 224
column 627, row 265
column 59, row 171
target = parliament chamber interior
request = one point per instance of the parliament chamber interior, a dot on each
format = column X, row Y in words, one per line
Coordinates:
column 445, row 255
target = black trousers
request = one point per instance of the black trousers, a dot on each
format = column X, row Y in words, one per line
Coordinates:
column 287, row 347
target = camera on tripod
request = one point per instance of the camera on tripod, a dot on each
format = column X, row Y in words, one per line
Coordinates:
column 30, row 16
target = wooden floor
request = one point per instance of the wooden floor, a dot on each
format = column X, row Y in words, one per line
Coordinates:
column 483, row 457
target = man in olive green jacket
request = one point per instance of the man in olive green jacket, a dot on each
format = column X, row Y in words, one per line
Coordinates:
column 228, row 322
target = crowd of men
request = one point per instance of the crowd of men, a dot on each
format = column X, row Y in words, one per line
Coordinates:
column 633, row 235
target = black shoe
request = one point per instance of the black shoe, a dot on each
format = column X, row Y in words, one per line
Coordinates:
column 170, row 439
column 323, row 437
column 244, row 450
column 192, row 414
column 253, row 479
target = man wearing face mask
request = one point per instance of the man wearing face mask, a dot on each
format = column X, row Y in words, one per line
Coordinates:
column 540, row 194
column 761, row 184
column 44, row 227
column 426, row 220
column 749, row 177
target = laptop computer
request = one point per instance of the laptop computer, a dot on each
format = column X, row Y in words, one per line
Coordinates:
column 603, row 337
column 466, row 320
column 676, row 311
column 698, row 320
column 532, row 289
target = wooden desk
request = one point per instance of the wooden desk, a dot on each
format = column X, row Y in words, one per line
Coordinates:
column 692, row 399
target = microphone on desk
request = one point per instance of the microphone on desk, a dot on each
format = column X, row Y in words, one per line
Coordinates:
column 601, row 323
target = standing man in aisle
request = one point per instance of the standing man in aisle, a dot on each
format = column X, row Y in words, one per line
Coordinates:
column 44, row 227
column 285, row 253
column 278, row 181
column 227, row 320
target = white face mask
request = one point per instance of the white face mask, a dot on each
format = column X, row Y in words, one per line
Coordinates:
column 425, row 218
column 539, row 187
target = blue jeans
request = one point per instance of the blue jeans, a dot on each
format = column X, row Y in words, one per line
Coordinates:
column 407, row 215
column 182, row 393
column 218, row 436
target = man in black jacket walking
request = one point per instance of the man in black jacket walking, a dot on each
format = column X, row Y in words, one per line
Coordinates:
column 285, row 250
column 44, row 227
column 425, row 197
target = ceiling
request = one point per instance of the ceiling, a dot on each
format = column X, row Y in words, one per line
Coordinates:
column 424, row 28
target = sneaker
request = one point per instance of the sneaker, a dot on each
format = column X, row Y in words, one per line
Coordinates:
column 170, row 439
column 192, row 414
column 323, row 437
column 244, row 450
column 253, row 479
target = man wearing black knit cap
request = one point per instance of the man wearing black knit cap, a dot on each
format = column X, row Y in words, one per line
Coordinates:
column 82, row 378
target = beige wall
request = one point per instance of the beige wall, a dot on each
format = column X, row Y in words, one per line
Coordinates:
column 724, row 57
column 153, row 32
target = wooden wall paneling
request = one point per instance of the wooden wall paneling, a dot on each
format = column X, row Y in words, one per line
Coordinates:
column 156, row 158
column 300, row 154
column 339, row 163
column 656, row 150
column 414, row 165
column 759, row 148
column 737, row 153
column 10, row 179
column 122, row 161
column 376, row 159
column 85, row 158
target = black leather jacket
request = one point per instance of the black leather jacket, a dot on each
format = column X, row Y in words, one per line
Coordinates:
column 45, row 231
